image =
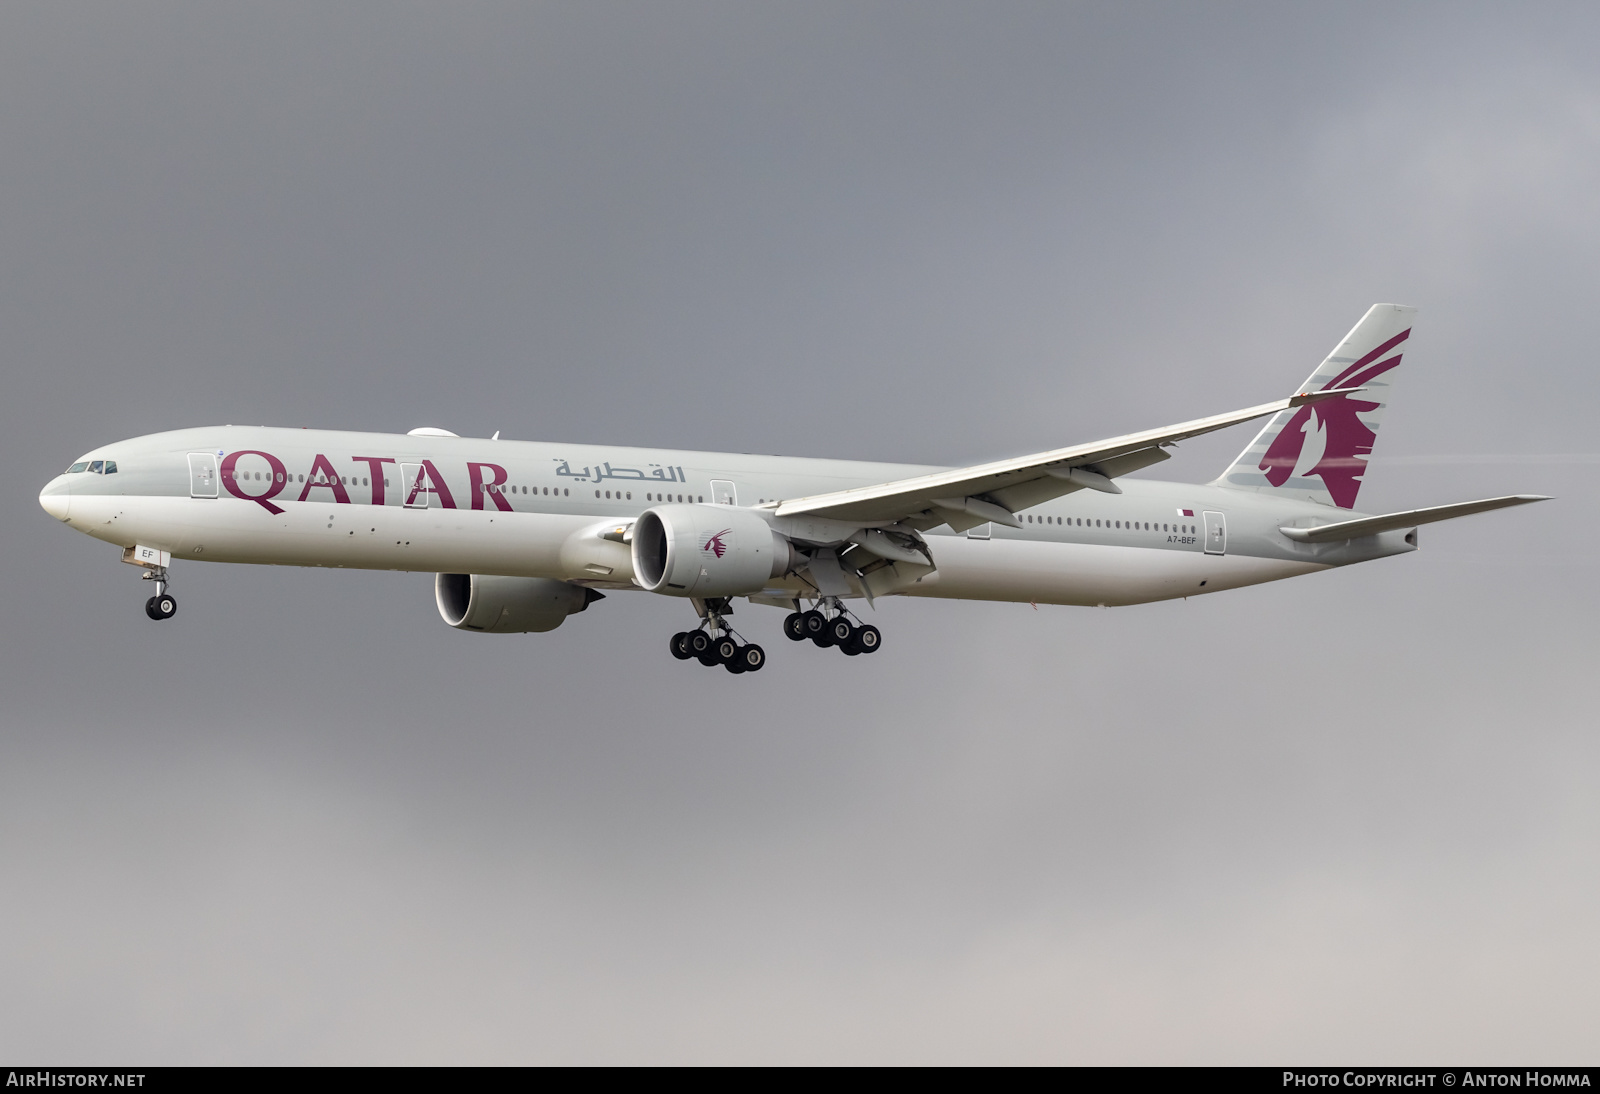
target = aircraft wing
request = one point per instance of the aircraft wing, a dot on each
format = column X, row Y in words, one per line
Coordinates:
column 969, row 496
column 1390, row 522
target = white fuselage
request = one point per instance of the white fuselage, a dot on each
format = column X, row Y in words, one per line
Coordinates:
column 322, row 498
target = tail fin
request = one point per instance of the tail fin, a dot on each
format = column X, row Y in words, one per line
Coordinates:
column 1325, row 462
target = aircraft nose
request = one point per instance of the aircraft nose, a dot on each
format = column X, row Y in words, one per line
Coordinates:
column 56, row 498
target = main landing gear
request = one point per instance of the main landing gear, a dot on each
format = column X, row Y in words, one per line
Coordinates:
column 163, row 605
column 830, row 623
column 716, row 643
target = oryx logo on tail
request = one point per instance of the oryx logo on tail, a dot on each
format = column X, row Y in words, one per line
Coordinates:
column 1346, row 439
column 715, row 544
column 1319, row 452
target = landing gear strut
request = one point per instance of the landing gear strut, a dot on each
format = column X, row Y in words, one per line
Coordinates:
column 716, row 643
column 163, row 605
column 830, row 623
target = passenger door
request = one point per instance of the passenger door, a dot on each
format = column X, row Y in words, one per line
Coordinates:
column 1216, row 534
column 724, row 492
column 414, row 490
column 202, row 475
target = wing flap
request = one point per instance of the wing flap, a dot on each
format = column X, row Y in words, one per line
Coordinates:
column 1391, row 522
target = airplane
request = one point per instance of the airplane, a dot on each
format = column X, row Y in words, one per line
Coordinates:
column 521, row 535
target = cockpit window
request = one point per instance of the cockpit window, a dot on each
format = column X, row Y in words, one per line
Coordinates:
column 111, row 467
column 75, row 468
column 98, row 467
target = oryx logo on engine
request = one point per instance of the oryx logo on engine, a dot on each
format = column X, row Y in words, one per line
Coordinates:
column 715, row 544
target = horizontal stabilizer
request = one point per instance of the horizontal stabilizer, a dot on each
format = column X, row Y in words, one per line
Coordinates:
column 1371, row 526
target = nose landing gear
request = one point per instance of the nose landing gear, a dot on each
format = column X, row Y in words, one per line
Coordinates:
column 163, row 605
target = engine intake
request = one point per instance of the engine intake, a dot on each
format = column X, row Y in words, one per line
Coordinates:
column 707, row 550
column 508, row 605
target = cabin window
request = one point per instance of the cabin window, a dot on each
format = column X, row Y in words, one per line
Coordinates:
column 630, row 495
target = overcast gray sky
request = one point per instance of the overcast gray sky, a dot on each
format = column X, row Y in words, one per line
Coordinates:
column 1347, row 818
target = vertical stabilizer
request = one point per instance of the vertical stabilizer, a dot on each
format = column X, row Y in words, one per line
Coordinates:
column 1318, row 452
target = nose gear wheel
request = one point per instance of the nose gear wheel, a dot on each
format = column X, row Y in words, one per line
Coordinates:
column 163, row 605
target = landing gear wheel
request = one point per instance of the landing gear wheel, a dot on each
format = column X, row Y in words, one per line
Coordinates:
column 680, row 646
column 794, row 627
column 841, row 632
column 750, row 658
column 700, row 648
column 815, row 625
column 726, row 650
column 868, row 638
column 161, row 607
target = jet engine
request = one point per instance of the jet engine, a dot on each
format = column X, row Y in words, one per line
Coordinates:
column 707, row 550
column 508, row 605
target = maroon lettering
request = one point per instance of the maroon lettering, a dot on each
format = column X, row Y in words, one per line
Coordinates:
column 481, row 488
column 230, row 479
column 321, row 466
column 431, row 473
column 376, row 463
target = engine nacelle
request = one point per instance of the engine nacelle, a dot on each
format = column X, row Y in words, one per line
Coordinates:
column 707, row 550
column 507, row 605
